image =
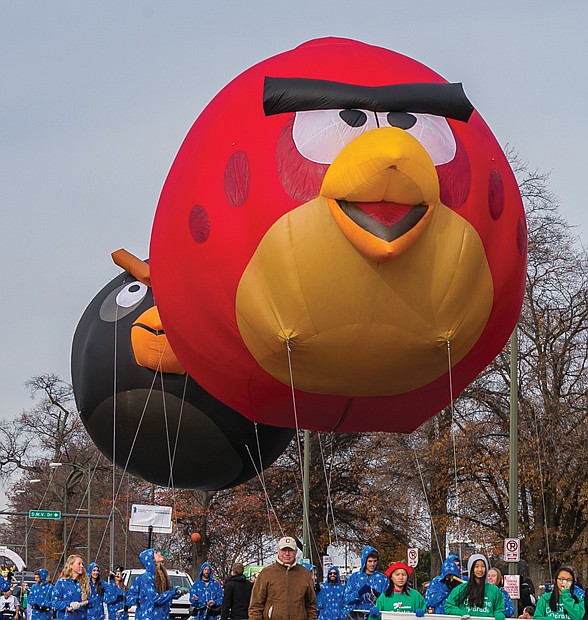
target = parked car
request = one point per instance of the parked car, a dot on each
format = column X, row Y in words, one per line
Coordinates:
column 180, row 607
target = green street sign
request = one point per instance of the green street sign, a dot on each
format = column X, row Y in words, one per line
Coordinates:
column 45, row 514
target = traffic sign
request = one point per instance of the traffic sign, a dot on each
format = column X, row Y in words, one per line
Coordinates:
column 45, row 514
column 512, row 584
column 512, row 549
column 413, row 557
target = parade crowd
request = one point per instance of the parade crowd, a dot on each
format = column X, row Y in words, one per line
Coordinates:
column 287, row 590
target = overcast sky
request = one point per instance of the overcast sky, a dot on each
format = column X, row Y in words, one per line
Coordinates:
column 96, row 97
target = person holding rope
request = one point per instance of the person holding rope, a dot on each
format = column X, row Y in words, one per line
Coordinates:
column 206, row 593
column 476, row 597
column 97, row 593
column 329, row 600
column 364, row 586
column 442, row 585
column 115, row 596
column 155, row 590
column 69, row 598
column 40, row 596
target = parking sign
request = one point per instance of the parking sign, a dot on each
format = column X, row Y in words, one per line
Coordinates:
column 512, row 549
column 413, row 557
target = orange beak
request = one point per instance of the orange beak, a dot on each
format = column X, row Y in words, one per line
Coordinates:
column 384, row 171
column 150, row 345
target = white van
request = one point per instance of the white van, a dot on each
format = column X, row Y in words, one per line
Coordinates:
column 180, row 607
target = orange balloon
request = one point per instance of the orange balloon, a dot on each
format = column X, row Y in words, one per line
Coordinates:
column 195, row 537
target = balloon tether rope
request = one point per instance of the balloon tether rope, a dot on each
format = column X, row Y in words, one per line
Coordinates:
column 457, row 498
column 295, row 410
column 428, row 503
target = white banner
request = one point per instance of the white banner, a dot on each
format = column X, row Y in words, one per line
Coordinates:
column 143, row 517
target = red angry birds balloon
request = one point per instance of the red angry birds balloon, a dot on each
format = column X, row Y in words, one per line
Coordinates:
column 339, row 229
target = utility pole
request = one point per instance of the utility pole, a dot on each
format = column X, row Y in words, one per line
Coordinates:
column 306, row 498
column 513, row 477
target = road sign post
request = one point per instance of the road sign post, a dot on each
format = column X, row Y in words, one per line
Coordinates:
column 413, row 557
column 45, row 514
column 512, row 549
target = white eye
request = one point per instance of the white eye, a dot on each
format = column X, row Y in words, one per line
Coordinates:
column 131, row 294
column 433, row 132
column 320, row 135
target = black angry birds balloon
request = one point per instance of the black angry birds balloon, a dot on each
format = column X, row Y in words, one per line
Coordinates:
column 124, row 369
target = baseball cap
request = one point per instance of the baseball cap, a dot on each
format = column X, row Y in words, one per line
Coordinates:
column 287, row 542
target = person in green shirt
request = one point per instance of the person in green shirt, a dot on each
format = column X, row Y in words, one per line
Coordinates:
column 399, row 597
column 561, row 602
column 476, row 597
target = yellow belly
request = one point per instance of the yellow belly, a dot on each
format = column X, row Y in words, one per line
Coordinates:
column 357, row 327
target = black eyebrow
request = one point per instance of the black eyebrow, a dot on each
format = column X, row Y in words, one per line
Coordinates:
column 300, row 94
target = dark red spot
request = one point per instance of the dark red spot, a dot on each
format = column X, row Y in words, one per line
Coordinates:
column 495, row 195
column 199, row 224
column 522, row 236
column 455, row 177
column 300, row 177
column 237, row 179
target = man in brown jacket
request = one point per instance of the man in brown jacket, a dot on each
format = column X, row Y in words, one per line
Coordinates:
column 283, row 590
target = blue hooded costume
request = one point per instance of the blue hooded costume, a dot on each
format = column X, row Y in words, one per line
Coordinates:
column 329, row 601
column 362, row 590
column 132, row 595
column 96, row 598
column 440, row 587
column 40, row 597
column 4, row 584
column 152, row 604
column 115, row 601
column 66, row 591
column 202, row 592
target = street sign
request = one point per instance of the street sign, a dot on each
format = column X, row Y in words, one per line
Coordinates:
column 512, row 584
column 512, row 549
column 413, row 557
column 158, row 519
column 45, row 514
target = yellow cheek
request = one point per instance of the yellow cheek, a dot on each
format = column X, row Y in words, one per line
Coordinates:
column 355, row 326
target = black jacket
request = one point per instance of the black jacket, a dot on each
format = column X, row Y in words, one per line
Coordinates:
column 236, row 598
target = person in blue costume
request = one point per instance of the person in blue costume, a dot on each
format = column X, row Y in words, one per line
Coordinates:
column 155, row 591
column 115, row 596
column 329, row 601
column 40, row 596
column 364, row 586
column 206, row 592
column 495, row 578
column 69, row 598
column 97, row 593
column 442, row 585
column 132, row 595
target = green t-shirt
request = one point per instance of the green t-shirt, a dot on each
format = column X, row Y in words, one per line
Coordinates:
column 493, row 603
column 404, row 603
column 567, row 608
